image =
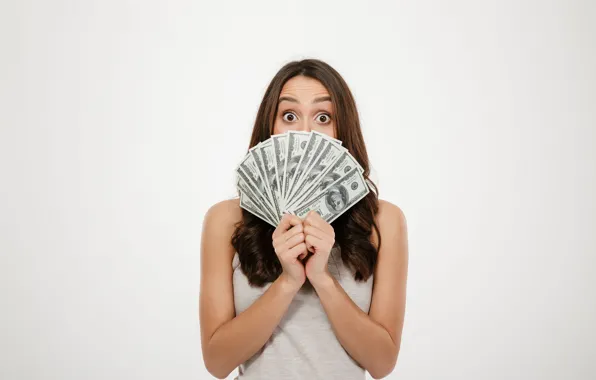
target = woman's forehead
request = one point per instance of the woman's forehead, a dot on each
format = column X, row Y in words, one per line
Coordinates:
column 303, row 89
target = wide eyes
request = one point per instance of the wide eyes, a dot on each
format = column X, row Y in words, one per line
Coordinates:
column 324, row 118
column 290, row 117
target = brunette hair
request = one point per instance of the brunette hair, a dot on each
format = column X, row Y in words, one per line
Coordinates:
column 252, row 237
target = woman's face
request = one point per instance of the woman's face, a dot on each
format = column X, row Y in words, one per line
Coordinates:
column 304, row 104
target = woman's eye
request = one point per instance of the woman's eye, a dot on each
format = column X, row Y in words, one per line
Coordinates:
column 324, row 118
column 293, row 117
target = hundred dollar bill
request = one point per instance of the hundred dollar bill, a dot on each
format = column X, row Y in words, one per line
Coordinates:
column 268, row 153
column 327, row 157
column 251, row 170
column 250, row 175
column 255, row 198
column 307, row 162
column 330, row 173
column 297, row 141
column 316, row 143
column 247, row 204
column 314, row 146
column 328, row 138
column 279, row 149
column 338, row 197
column 264, row 162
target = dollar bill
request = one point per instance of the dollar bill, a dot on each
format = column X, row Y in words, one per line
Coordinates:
column 264, row 162
column 297, row 141
column 318, row 137
column 328, row 138
column 288, row 172
column 280, row 142
column 247, row 204
column 270, row 163
column 337, row 198
column 255, row 198
column 250, row 169
column 327, row 157
column 249, row 174
column 331, row 173
column 313, row 147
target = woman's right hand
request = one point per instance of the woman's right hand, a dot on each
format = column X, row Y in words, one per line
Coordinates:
column 289, row 247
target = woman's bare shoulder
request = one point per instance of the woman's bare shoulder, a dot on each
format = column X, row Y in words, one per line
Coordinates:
column 224, row 214
column 390, row 219
column 219, row 225
column 388, row 212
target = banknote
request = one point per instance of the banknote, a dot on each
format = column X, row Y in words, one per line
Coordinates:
column 337, row 198
column 313, row 147
column 297, row 142
column 250, row 192
column 279, row 151
column 297, row 172
column 247, row 204
column 316, row 144
column 327, row 157
column 329, row 174
column 248, row 166
column 263, row 158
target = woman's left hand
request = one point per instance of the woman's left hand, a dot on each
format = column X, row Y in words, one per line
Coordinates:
column 319, row 237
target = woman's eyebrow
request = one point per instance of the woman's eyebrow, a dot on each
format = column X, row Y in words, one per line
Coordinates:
column 316, row 100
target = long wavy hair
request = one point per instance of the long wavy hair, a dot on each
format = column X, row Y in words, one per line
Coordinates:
column 252, row 237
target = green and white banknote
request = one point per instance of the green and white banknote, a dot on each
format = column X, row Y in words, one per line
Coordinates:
column 297, row 172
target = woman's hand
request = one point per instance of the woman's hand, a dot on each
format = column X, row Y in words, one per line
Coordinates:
column 289, row 244
column 319, row 239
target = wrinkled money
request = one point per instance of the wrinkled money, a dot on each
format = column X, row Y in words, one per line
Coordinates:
column 337, row 198
column 297, row 172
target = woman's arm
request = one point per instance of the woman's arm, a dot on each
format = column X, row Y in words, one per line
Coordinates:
column 228, row 340
column 373, row 340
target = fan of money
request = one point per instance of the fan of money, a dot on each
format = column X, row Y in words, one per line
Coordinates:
column 296, row 172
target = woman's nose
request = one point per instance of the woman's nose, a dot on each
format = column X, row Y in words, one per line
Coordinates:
column 305, row 126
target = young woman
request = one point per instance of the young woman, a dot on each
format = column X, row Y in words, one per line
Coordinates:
column 307, row 299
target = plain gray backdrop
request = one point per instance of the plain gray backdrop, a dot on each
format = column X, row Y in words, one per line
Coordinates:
column 121, row 123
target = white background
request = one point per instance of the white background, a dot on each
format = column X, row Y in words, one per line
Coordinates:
column 121, row 123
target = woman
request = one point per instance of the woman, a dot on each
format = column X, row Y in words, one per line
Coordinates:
column 306, row 299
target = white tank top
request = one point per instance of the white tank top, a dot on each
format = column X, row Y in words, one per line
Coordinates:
column 303, row 345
